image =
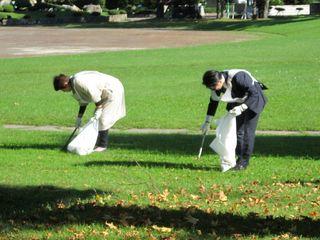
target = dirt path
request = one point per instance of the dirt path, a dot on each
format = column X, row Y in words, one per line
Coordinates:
column 35, row 41
column 151, row 130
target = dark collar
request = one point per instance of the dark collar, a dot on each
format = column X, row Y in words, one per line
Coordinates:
column 225, row 75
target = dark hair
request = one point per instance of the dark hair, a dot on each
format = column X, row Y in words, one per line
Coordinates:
column 59, row 81
column 211, row 77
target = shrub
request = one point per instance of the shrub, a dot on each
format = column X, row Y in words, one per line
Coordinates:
column 1, row 9
column 112, row 4
column 150, row 3
column 276, row 2
column 50, row 14
column 27, row 16
column 113, row 12
column 22, row 4
column 305, row 1
column 95, row 14
column 78, row 14
column 81, row 3
column 39, row 6
column 8, row 8
column 295, row 2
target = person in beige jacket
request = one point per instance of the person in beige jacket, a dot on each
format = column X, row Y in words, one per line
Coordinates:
column 105, row 91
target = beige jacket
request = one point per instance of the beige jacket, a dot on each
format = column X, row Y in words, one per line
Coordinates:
column 93, row 86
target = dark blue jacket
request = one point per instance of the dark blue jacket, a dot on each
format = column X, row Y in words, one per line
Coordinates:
column 241, row 86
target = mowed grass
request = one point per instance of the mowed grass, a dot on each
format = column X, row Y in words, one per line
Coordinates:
column 163, row 87
column 151, row 186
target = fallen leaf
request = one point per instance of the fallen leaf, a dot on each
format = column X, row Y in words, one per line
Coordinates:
column 222, row 197
column 162, row 229
column 111, row 225
column 191, row 219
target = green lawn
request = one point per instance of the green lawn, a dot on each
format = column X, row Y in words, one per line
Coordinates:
column 163, row 87
column 151, row 186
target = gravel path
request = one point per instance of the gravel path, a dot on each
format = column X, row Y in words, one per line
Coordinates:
column 36, row 41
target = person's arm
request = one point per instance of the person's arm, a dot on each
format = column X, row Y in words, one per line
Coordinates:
column 98, row 109
column 211, row 111
column 81, row 111
column 212, row 107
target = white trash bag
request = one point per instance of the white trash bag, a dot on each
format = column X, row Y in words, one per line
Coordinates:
column 84, row 142
column 225, row 142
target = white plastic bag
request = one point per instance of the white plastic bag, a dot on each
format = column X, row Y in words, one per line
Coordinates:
column 226, row 141
column 84, row 142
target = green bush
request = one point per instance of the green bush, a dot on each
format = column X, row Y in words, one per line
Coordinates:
column 51, row 14
column 78, row 14
column 113, row 4
column 276, row 2
column 81, row 3
column 150, row 3
column 22, row 4
column 113, row 12
column 305, row 1
column 27, row 16
column 295, row 2
column 8, row 8
column 1, row 9
column 210, row 9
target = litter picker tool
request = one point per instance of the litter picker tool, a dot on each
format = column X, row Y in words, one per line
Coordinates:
column 64, row 148
column 202, row 142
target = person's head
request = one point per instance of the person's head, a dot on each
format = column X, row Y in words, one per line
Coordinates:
column 61, row 82
column 213, row 79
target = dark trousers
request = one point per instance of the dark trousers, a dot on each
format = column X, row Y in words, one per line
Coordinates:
column 102, row 140
column 246, row 132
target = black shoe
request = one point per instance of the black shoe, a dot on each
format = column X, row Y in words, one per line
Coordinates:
column 240, row 166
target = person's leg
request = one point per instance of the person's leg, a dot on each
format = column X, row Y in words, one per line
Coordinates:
column 250, row 125
column 240, row 136
column 102, row 140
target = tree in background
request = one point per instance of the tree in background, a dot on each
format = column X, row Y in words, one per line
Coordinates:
column 263, row 8
column 221, row 8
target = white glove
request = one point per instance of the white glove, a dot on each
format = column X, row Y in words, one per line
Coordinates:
column 236, row 111
column 78, row 122
column 97, row 113
column 205, row 127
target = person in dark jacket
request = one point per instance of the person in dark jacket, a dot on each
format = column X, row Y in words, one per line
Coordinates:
column 245, row 100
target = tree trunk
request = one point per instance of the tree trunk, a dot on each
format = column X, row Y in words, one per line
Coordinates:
column 263, row 8
column 254, row 10
column 266, row 9
column 221, row 8
column 160, row 9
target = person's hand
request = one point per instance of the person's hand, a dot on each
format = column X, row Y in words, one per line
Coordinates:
column 97, row 113
column 236, row 111
column 78, row 122
column 205, row 127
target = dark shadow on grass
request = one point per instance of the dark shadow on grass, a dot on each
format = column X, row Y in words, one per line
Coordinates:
column 149, row 164
column 188, row 144
column 297, row 146
column 29, row 198
column 38, row 146
column 26, row 208
column 304, row 182
column 212, row 25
